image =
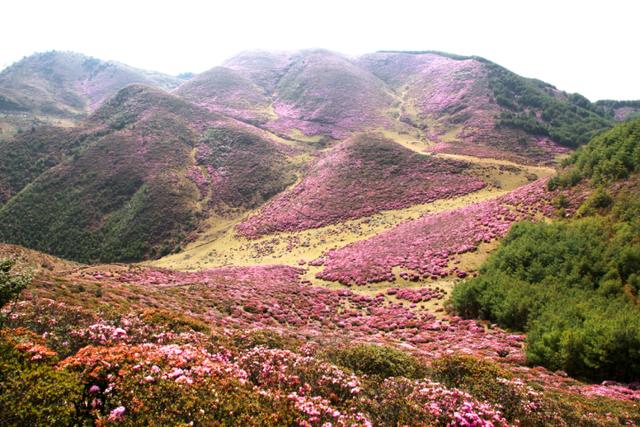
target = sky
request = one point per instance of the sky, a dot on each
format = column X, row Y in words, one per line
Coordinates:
column 578, row 46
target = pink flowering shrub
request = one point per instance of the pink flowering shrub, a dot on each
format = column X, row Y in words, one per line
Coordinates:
column 303, row 375
column 271, row 297
column 248, row 345
column 400, row 401
column 415, row 295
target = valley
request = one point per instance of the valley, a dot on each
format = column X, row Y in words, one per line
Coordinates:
column 305, row 238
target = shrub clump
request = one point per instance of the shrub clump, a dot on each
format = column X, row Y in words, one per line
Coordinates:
column 32, row 390
column 378, row 360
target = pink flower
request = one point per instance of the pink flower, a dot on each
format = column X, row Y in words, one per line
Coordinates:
column 117, row 414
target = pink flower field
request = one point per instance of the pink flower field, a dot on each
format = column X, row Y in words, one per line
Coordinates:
column 426, row 246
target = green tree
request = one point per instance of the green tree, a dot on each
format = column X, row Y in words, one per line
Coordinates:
column 10, row 284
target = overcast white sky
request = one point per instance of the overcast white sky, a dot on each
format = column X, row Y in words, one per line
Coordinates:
column 579, row 46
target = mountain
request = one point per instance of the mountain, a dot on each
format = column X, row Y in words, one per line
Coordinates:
column 312, row 92
column 144, row 170
column 57, row 86
column 403, row 238
column 461, row 105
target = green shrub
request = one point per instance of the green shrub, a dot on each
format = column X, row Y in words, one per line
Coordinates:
column 597, row 201
column 10, row 284
column 589, row 336
column 173, row 321
column 377, row 360
column 34, row 393
column 610, row 156
column 477, row 376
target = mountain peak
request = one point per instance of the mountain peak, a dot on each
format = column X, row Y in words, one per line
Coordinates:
column 69, row 84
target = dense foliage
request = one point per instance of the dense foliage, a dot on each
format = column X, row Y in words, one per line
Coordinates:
column 573, row 285
column 540, row 109
column 610, row 156
column 620, row 110
column 32, row 390
column 378, row 360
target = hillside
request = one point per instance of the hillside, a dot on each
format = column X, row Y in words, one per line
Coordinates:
column 309, row 92
column 620, row 110
column 360, row 177
column 148, row 168
column 469, row 105
column 272, row 116
column 228, row 91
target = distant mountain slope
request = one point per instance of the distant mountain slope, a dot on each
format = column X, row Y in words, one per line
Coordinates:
column 30, row 154
column 362, row 176
column 149, row 169
column 620, row 110
column 228, row 91
column 313, row 92
column 465, row 105
column 323, row 92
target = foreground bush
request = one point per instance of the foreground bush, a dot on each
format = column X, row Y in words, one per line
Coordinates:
column 400, row 401
column 377, row 360
column 32, row 391
column 10, row 284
